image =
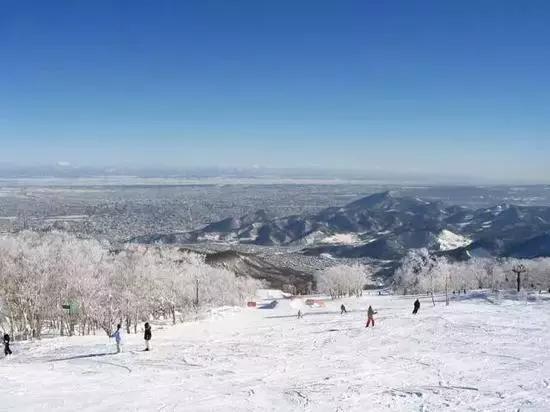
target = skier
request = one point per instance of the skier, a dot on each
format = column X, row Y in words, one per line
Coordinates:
column 416, row 306
column 118, row 338
column 147, row 335
column 6, row 341
column 370, row 313
column 343, row 309
column 300, row 316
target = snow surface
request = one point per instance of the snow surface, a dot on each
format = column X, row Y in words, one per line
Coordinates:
column 476, row 354
column 449, row 241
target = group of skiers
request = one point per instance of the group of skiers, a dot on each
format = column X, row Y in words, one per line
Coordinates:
column 370, row 312
column 118, row 336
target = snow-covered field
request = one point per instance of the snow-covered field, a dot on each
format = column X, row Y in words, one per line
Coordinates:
column 473, row 355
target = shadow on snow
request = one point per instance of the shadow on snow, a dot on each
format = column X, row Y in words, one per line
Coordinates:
column 91, row 355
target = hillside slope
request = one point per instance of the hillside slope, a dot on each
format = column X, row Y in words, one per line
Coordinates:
column 472, row 355
column 247, row 264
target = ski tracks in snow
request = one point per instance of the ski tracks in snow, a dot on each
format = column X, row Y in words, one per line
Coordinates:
column 456, row 358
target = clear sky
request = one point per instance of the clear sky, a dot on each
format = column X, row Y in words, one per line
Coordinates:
column 441, row 87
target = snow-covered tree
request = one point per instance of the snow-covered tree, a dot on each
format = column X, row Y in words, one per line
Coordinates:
column 342, row 280
column 57, row 281
column 420, row 272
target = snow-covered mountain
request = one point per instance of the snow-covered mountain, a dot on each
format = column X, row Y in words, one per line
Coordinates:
column 385, row 226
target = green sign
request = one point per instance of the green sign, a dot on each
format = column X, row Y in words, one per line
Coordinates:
column 71, row 307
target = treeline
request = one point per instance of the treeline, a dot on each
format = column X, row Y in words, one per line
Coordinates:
column 422, row 272
column 57, row 283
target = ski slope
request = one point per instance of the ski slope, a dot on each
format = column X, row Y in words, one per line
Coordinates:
column 473, row 355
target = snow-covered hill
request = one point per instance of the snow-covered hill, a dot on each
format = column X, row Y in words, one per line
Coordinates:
column 472, row 355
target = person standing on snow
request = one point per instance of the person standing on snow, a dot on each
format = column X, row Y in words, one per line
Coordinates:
column 300, row 315
column 416, row 306
column 118, row 338
column 370, row 314
column 147, row 335
column 6, row 341
column 343, row 309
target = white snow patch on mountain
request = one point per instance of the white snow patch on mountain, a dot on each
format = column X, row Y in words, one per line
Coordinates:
column 312, row 238
column 448, row 240
column 421, row 201
column 211, row 237
column 342, row 238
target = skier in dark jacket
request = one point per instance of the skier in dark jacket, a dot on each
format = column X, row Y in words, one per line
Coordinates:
column 147, row 335
column 6, row 341
column 370, row 315
column 343, row 309
column 416, row 306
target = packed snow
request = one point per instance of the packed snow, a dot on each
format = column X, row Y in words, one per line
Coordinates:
column 479, row 353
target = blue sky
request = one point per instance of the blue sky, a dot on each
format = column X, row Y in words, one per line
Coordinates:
column 438, row 87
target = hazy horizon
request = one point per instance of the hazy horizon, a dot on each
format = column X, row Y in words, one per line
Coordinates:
column 136, row 174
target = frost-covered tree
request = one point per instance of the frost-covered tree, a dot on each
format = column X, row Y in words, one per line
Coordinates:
column 55, row 281
column 420, row 272
column 413, row 269
column 416, row 273
column 342, row 280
